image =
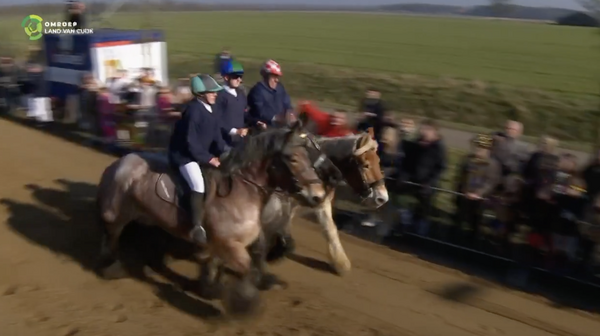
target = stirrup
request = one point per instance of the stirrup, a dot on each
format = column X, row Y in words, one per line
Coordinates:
column 198, row 235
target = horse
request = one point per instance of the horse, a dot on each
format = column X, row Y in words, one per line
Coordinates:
column 141, row 187
column 354, row 157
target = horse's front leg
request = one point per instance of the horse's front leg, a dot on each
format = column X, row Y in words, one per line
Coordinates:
column 337, row 255
column 260, row 276
column 211, row 270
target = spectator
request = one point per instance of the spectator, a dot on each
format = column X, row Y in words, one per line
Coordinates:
column 220, row 59
column 423, row 164
column 38, row 103
column 118, row 86
column 479, row 175
column 591, row 176
column 374, row 114
column 8, row 83
column 106, row 116
column 87, row 117
column 540, row 176
column 76, row 13
column 325, row 124
column 569, row 192
column 509, row 150
column 183, row 94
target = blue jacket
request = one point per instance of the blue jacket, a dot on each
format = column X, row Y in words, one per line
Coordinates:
column 265, row 103
column 196, row 136
column 232, row 112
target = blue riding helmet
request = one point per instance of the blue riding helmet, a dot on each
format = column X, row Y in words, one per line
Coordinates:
column 231, row 67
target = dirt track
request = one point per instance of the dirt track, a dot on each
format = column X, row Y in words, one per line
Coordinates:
column 48, row 241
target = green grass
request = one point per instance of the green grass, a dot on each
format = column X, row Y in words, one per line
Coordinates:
column 477, row 72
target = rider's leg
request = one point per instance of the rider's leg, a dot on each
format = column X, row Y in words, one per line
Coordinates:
column 193, row 176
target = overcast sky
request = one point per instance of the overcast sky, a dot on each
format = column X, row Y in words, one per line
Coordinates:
column 571, row 4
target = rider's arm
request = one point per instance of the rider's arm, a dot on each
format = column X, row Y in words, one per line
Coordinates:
column 320, row 118
column 259, row 107
column 198, row 140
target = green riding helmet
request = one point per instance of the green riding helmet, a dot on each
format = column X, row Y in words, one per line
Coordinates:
column 204, row 83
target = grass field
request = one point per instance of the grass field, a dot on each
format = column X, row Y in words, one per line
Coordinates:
column 461, row 70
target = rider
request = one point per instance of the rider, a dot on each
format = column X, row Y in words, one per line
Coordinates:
column 197, row 141
column 232, row 103
column 268, row 102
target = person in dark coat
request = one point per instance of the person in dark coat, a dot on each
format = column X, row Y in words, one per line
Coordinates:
column 221, row 58
column 197, row 141
column 76, row 13
column 540, row 175
column 478, row 177
column 423, row 164
column 232, row 104
column 268, row 102
column 374, row 114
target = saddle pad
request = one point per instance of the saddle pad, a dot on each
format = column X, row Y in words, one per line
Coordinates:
column 174, row 189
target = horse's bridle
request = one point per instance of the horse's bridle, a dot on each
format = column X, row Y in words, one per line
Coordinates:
column 315, row 165
column 370, row 187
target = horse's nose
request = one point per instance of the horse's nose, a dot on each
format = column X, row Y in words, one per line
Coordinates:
column 317, row 199
column 380, row 200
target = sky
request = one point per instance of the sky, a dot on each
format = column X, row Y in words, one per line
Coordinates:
column 570, row 4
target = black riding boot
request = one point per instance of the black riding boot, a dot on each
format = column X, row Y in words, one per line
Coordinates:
column 198, row 234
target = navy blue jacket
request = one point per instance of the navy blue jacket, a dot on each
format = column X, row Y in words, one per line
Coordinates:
column 232, row 112
column 265, row 103
column 196, row 136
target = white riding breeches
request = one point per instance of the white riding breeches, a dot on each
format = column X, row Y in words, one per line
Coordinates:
column 193, row 176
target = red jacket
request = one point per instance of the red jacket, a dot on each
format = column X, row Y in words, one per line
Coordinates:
column 323, row 121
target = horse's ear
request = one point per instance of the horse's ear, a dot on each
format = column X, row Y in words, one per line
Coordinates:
column 297, row 126
column 371, row 132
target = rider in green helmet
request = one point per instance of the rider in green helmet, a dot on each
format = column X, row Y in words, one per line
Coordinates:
column 197, row 141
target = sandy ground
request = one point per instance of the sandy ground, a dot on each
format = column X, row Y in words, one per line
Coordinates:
column 49, row 241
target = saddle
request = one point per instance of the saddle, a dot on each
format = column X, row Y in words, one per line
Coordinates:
column 172, row 188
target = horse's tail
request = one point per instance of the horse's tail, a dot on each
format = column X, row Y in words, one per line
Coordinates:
column 114, row 190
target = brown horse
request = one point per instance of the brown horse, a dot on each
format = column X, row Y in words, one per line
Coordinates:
column 142, row 188
column 353, row 158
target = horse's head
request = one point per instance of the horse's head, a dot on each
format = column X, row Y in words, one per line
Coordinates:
column 364, row 174
column 294, row 171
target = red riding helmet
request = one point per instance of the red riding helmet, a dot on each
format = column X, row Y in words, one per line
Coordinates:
column 271, row 68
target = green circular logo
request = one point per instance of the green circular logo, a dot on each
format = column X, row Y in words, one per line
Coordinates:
column 32, row 24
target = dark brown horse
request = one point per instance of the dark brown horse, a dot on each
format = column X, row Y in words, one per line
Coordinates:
column 141, row 188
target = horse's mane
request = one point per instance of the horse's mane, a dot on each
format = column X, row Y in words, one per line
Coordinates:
column 256, row 147
column 339, row 148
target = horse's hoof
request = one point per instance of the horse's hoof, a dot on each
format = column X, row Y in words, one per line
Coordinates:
column 284, row 246
column 241, row 299
column 341, row 264
column 114, row 271
column 270, row 281
column 210, row 292
column 289, row 244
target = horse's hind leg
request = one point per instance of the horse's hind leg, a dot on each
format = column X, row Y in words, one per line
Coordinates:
column 110, row 266
column 259, row 274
